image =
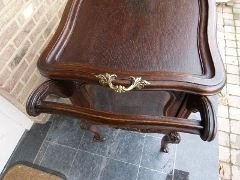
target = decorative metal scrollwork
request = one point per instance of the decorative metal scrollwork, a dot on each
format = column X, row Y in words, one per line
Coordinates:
column 106, row 80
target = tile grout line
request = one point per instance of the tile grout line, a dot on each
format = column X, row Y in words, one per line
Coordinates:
column 75, row 154
column 113, row 140
column 45, row 141
column 141, row 156
column 42, row 145
column 174, row 161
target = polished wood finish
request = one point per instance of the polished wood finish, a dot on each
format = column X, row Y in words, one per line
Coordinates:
column 171, row 44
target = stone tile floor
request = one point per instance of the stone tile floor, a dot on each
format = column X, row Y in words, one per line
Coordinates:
column 60, row 145
column 228, row 34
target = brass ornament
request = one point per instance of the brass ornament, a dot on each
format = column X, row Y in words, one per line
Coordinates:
column 106, row 80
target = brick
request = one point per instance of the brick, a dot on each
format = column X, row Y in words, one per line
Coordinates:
column 28, row 89
column 224, row 154
column 6, row 55
column 223, row 124
column 238, row 44
column 221, row 50
column 223, row 57
column 223, row 138
column 227, row 171
column 235, row 173
column 233, row 89
column 234, row 113
column 29, row 72
column 40, row 12
column 237, row 30
column 235, row 157
column 236, row 5
column 221, row 42
column 24, row 32
column 236, row 10
column 238, row 37
column 34, row 49
column 229, row 29
column 232, row 69
column 237, row 23
column 41, row 25
column 19, row 56
column 60, row 12
column 231, row 44
column 52, row 11
column 223, row 111
column 224, row 90
column 220, row 28
column 235, row 126
column 50, row 27
column 220, row 35
column 229, row 3
column 28, row 12
column 230, row 36
column 219, row 9
column 229, row 22
column 233, row 79
column 235, row 141
column 234, row 101
column 4, row 76
column 236, row 16
column 231, row 51
column 9, row 12
column 1, row 5
column 16, row 91
column 227, row 15
column 233, row 60
column 220, row 21
column 8, row 34
column 227, row 10
column 10, row 84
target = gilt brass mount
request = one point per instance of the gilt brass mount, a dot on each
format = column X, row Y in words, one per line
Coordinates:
column 106, row 80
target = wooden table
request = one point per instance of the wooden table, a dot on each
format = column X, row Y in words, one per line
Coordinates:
column 143, row 46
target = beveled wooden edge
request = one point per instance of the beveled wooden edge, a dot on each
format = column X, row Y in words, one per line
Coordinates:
column 206, row 127
column 144, row 123
column 207, row 84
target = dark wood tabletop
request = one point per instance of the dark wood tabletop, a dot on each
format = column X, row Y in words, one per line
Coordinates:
column 171, row 44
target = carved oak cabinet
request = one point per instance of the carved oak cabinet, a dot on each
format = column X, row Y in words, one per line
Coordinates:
column 139, row 65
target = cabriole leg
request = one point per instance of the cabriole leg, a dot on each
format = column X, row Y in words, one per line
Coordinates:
column 93, row 128
column 173, row 138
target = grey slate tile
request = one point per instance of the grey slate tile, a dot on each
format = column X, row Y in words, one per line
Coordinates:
column 68, row 133
column 100, row 148
column 152, row 158
column 87, row 166
column 55, row 119
column 58, row 158
column 41, row 152
column 198, row 158
column 145, row 174
column 117, row 170
column 127, row 146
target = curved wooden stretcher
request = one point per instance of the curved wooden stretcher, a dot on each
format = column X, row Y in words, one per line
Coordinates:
column 162, row 51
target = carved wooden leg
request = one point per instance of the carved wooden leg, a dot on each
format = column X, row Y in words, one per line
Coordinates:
column 93, row 128
column 173, row 138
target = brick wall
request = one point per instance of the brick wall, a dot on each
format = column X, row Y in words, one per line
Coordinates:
column 26, row 26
